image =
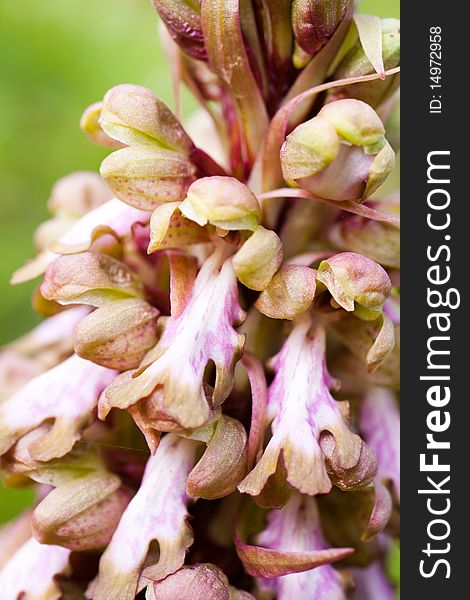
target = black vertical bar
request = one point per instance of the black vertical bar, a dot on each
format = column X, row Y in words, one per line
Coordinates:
column 435, row 120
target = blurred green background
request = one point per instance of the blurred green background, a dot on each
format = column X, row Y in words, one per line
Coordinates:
column 56, row 58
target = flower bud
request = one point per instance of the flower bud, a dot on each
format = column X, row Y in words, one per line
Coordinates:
column 341, row 154
column 258, row 259
column 356, row 64
column 144, row 177
column 135, row 116
column 314, row 22
column 356, row 283
column 222, row 201
column 90, row 125
column 82, row 513
column 118, row 334
column 223, row 464
column 289, row 294
column 183, row 21
column 202, row 581
column 89, row 278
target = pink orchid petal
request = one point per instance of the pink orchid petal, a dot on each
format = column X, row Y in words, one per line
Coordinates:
column 54, row 395
column 372, row 583
column 30, row 572
column 203, row 332
column 295, row 530
column 157, row 512
column 259, row 396
column 13, row 535
column 380, row 424
column 52, row 331
column 300, row 413
column 114, row 214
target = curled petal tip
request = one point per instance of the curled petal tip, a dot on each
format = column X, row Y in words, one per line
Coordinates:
column 224, row 463
column 135, row 116
column 47, row 397
column 356, row 283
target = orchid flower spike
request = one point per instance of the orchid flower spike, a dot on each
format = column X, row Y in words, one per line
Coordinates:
column 169, row 458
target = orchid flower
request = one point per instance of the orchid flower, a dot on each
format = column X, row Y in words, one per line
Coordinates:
column 42, row 348
column 113, row 217
column 311, row 443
